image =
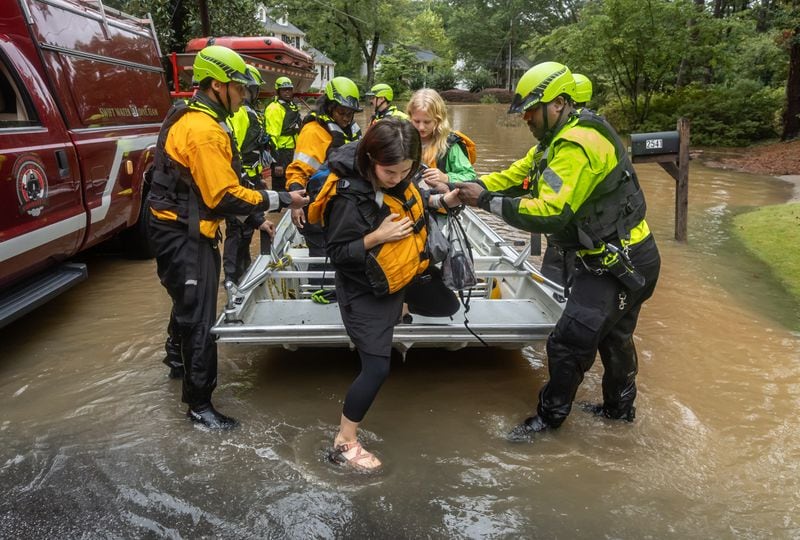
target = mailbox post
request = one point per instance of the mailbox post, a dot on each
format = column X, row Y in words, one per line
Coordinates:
column 670, row 149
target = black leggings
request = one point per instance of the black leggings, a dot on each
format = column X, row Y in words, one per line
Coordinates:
column 374, row 370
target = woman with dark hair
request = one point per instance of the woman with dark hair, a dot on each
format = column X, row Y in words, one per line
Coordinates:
column 373, row 217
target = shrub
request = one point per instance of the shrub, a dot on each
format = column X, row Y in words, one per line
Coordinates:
column 720, row 115
column 459, row 96
column 442, row 79
column 500, row 95
column 476, row 79
column 488, row 98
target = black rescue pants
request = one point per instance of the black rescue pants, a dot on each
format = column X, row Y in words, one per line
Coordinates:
column 600, row 315
column 283, row 157
column 190, row 321
column 558, row 266
column 236, row 249
column 370, row 321
column 173, row 344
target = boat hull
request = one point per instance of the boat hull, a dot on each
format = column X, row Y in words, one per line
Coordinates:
column 511, row 307
column 270, row 55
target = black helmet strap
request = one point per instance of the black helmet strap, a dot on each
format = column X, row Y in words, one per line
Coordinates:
column 549, row 132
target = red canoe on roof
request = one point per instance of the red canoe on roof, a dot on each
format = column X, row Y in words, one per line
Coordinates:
column 270, row 55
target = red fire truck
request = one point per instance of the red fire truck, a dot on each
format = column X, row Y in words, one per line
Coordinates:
column 82, row 97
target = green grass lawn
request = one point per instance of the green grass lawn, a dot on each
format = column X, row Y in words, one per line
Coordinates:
column 772, row 234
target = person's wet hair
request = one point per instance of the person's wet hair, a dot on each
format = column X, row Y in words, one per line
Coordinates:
column 388, row 142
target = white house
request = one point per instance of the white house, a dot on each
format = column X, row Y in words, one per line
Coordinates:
column 289, row 33
column 324, row 67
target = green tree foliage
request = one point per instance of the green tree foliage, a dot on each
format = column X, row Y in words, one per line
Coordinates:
column 355, row 25
column 486, row 32
column 178, row 21
column 426, row 31
column 399, row 68
column 721, row 114
column 635, row 45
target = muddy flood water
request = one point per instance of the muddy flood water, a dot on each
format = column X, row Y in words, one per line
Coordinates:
column 95, row 444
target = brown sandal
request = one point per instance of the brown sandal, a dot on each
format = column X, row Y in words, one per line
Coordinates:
column 337, row 456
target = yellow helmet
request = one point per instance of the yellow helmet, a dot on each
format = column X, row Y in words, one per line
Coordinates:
column 283, row 82
column 542, row 84
column 381, row 90
column 222, row 64
column 344, row 92
column 583, row 88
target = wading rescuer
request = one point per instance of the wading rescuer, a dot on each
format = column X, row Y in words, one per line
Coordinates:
column 195, row 185
column 248, row 131
column 330, row 126
column 582, row 191
column 382, row 96
column 282, row 117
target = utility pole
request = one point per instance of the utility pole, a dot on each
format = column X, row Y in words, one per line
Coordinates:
column 510, row 39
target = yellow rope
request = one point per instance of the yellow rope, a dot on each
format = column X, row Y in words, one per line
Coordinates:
column 273, row 287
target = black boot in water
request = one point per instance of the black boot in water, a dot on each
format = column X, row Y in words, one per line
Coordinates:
column 628, row 413
column 206, row 415
column 524, row 432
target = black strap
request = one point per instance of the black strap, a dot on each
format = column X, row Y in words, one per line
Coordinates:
column 193, row 255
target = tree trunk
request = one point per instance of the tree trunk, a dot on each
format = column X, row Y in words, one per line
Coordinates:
column 178, row 23
column 205, row 22
column 683, row 77
column 791, row 116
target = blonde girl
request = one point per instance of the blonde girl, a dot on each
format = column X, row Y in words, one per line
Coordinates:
column 446, row 159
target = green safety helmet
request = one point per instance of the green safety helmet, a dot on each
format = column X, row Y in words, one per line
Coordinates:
column 542, row 84
column 222, row 64
column 344, row 92
column 283, row 82
column 583, row 88
column 255, row 75
column 381, row 90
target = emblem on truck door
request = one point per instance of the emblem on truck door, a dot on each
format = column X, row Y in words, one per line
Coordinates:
column 31, row 182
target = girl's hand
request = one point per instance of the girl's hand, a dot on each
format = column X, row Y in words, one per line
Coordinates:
column 436, row 179
column 451, row 199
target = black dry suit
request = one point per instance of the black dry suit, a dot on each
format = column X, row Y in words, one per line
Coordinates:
column 188, row 260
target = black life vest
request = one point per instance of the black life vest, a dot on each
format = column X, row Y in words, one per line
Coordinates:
column 172, row 187
column 615, row 206
column 291, row 120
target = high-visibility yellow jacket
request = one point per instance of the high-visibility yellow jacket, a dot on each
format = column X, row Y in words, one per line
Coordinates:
column 581, row 189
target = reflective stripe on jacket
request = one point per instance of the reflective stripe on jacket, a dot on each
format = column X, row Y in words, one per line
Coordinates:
column 318, row 137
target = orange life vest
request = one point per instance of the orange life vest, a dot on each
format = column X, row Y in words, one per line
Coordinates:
column 392, row 265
